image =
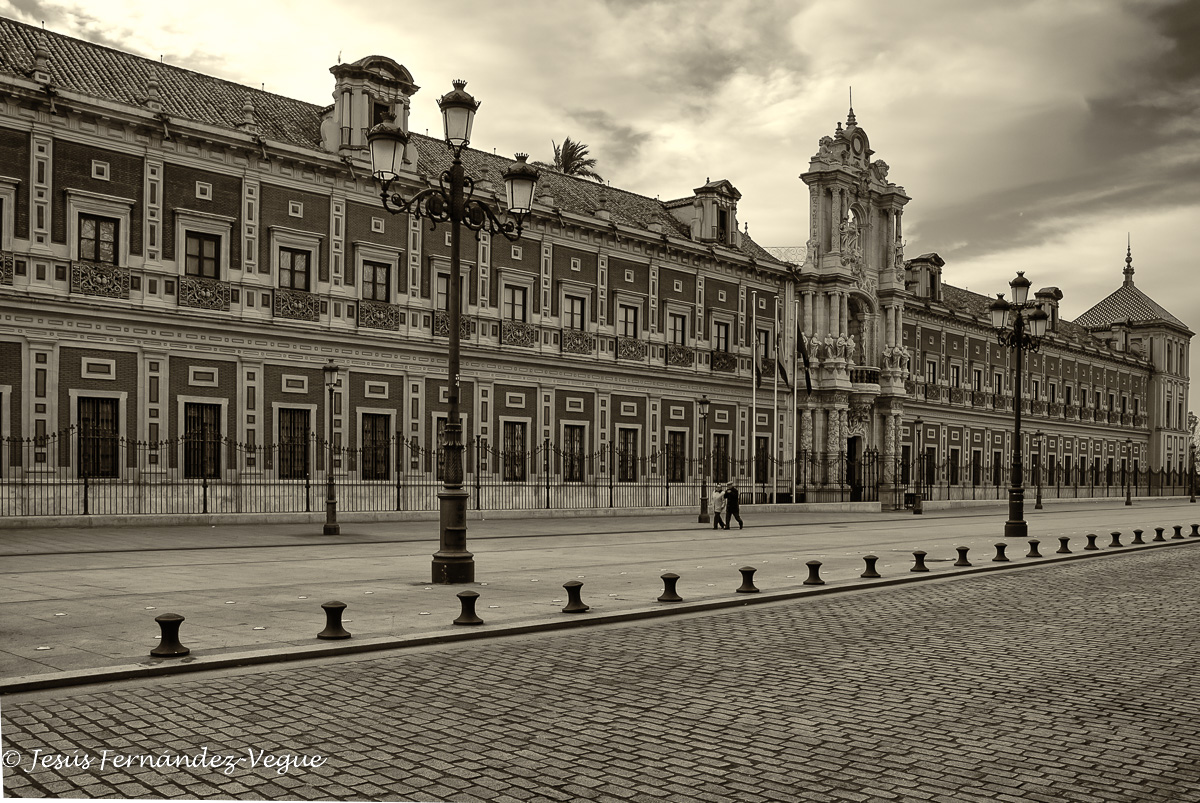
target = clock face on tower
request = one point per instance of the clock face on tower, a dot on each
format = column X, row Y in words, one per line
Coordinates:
column 857, row 144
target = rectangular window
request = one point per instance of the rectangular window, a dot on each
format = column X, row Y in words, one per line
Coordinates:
column 293, row 268
column 572, row 455
column 294, row 434
column 628, row 326
column 955, row 456
column 98, row 238
column 931, row 372
column 905, row 464
column 977, row 379
column 763, row 342
column 1053, row 393
column 720, row 336
column 676, row 456
column 514, row 451
column 98, row 433
column 627, row 455
column 514, row 303
column 1108, row 472
column 976, row 467
column 201, row 441
column 441, row 293
column 1037, row 390
column 720, row 457
column 376, row 446
column 997, row 382
column 931, row 471
column 376, row 281
column 202, row 255
column 573, row 312
column 1051, row 470
column 678, row 329
column 1067, row 391
column 955, row 377
column 997, row 468
column 762, row 458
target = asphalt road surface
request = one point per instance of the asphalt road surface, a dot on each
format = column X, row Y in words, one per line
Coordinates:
column 1071, row 681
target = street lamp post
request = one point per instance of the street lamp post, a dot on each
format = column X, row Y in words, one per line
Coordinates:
column 918, row 432
column 1037, row 470
column 1128, row 471
column 704, row 518
column 331, row 524
column 1009, row 321
column 1191, row 425
column 452, row 200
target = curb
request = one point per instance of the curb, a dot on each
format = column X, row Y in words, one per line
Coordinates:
column 165, row 667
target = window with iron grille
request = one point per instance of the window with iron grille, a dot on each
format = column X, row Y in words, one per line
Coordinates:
column 1108, row 472
column 514, row 303
column 201, row 441
column 98, row 238
column 376, row 281
column 98, row 433
column 762, row 458
column 515, row 453
column 955, row 456
column 376, row 446
column 720, row 457
column 627, row 455
column 720, row 336
column 676, row 456
column 905, row 464
column 572, row 453
column 930, row 466
column 293, row 268
column 573, row 312
column 202, row 255
column 678, row 327
column 997, row 468
column 294, row 434
column 976, row 467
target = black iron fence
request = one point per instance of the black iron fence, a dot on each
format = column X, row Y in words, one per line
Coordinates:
column 88, row 473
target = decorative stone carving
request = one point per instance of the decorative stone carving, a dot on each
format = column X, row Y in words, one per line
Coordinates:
column 880, row 169
column 378, row 315
column 680, row 356
column 441, row 325
column 630, row 348
column 297, row 305
column 724, row 361
column 859, row 417
column 96, row 279
column 518, row 333
column 202, row 293
column 575, row 341
column 6, row 267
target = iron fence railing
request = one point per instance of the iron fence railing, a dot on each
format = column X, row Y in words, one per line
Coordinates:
column 73, row 472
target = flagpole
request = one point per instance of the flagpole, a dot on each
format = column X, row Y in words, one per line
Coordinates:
column 795, row 328
column 751, row 446
column 775, row 411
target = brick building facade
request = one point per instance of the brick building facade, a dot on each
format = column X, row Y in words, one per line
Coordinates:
column 182, row 256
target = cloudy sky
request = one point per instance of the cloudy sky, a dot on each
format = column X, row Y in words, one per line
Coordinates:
column 1030, row 135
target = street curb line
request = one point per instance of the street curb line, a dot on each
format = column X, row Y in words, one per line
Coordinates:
column 193, row 663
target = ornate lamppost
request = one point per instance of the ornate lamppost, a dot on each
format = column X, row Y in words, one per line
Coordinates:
column 919, row 444
column 704, row 519
column 1128, row 471
column 331, row 524
column 1037, row 469
column 1009, row 321
column 452, row 200
column 1191, row 425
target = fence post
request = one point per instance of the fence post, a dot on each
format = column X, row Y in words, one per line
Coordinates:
column 612, row 451
column 204, row 463
column 546, row 468
column 478, row 473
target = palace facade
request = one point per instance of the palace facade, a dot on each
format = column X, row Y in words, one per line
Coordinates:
column 183, row 258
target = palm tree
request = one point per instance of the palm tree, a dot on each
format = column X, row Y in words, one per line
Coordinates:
column 571, row 159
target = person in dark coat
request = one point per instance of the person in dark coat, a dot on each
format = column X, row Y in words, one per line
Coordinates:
column 732, row 509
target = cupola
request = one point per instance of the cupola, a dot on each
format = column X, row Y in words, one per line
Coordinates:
column 366, row 92
column 711, row 214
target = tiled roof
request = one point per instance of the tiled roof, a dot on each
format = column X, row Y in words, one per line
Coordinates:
column 979, row 307
column 103, row 72
column 1126, row 303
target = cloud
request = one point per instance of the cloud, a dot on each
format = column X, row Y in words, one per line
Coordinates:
column 613, row 143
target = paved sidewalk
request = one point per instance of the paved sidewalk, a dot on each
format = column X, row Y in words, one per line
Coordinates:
column 78, row 604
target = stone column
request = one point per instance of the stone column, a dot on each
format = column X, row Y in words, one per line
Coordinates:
column 844, row 299
column 808, row 312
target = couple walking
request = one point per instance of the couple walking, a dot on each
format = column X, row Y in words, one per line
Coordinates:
column 725, row 500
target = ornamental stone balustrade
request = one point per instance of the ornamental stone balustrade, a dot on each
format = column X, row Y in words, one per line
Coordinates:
column 576, row 341
column 199, row 292
column 379, row 315
column 630, row 348
column 724, row 362
column 97, row 279
column 680, row 356
column 297, row 305
column 518, row 333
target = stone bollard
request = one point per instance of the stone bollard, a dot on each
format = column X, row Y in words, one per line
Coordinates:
column 870, row 570
column 814, row 574
column 1063, row 549
column 1116, row 539
column 962, row 556
column 669, row 593
column 1033, row 549
column 1091, row 544
column 574, row 602
column 169, row 646
column 1158, row 534
column 333, row 621
column 467, row 617
column 1137, row 537
column 1195, row 533
column 919, row 562
column 1000, row 556
column 747, row 586
column 1178, row 532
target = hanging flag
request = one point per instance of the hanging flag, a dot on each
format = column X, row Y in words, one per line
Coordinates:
column 779, row 366
column 757, row 369
column 804, row 357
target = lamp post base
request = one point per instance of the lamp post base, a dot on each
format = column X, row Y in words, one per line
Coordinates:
column 1016, row 529
column 332, row 529
column 452, row 563
column 704, row 517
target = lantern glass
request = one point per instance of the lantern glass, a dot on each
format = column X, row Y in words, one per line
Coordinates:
column 386, row 143
column 1037, row 323
column 520, row 180
column 1000, row 309
column 1020, row 288
column 704, row 404
column 458, row 115
column 331, row 374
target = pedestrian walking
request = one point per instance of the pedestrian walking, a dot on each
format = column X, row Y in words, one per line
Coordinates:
column 732, row 507
column 716, row 501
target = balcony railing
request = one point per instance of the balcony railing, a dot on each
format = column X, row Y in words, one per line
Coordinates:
column 201, row 293
column 97, row 279
column 680, row 356
column 576, row 341
column 518, row 333
column 6, row 267
column 724, row 362
column 441, row 325
column 297, row 305
column 379, row 315
column 630, row 348
column 864, row 376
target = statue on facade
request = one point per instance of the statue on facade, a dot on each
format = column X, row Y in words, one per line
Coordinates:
column 851, row 351
column 830, row 348
column 851, row 246
column 842, row 346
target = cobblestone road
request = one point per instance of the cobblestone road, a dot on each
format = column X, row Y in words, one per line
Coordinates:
column 1060, row 682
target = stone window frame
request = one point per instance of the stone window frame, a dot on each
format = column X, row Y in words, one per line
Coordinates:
column 373, row 252
column 584, row 290
column 83, row 202
column 191, row 220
